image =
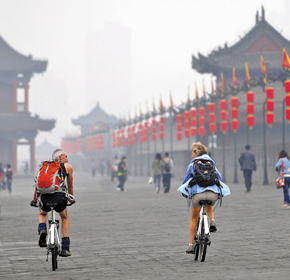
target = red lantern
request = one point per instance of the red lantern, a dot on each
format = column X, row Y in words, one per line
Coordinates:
column 250, row 96
column 186, row 124
column 235, row 113
column 141, row 133
column 133, row 134
column 122, row 130
column 118, row 132
column 211, row 107
column 193, row 131
column 287, row 99
column 179, row 126
column 179, row 135
column 250, row 121
column 211, row 117
column 154, row 136
column 140, row 126
column 223, row 104
column 212, row 127
column 270, row 105
column 186, row 133
column 129, row 129
column 193, row 122
column 250, row 109
column 129, row 135
column 114, row 134
column 129, row 141
column 224, row 115
column 270, row 93
column 153, row 122
column 186, row 115
column 133, row 141
column 161, row 135
column 123, row 143
column 202, row 130
column 146, row 124
column 145, row 131
column 201, row 121
column 193, row 113
column 201, row 111
column 235, row 102
column 287, row 86
column 161, row 127
column 224, row 126
column 270, row 118
column 133, row 127
column 145, row 138
column 154, row 129
column 287, row 114
column 162, row 119
column 235, row 125
column 179, row 118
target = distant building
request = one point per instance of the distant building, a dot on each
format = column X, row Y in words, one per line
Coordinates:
column 17, row 126
column 108, row 68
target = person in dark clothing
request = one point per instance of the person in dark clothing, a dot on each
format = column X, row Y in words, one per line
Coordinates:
column 9, row 175
column 122, row 174
column 248, row 164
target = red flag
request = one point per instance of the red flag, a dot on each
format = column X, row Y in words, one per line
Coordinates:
column 222, row 82
column 203, row 88
column 234, row 77
column 212, row 86
column 171, row 101
column 286, row 60
column 196, row 92
column 154, row 108
column 247, row 74
column 161, row 103
column 263, row 66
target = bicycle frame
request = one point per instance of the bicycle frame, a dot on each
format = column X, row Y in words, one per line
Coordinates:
column 53, row 235
column 203, row 220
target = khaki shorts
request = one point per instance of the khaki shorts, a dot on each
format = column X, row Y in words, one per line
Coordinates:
column 206, row 195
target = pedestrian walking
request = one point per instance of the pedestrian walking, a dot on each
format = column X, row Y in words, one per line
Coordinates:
column 9, row 175
column 122, row 174
column 248, row 164
column 167, row 172
column 284, row 161
column 157, row 171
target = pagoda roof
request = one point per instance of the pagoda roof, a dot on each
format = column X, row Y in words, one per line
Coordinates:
column 96, row 115
column 24, row 122
column 262, row 39
column 12, row 61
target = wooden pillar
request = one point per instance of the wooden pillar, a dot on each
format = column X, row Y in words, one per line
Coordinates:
column 14, row 155
column 26, row 86
column 32, row 155
column 14, row 96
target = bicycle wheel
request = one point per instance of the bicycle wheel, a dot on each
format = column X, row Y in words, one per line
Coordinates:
column 196, row 242
column 202, row 244
column 54, row 258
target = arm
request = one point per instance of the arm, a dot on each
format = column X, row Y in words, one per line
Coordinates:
column 278, row 165
column 69, row 171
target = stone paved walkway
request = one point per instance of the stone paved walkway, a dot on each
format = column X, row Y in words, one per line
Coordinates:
column 139, row 234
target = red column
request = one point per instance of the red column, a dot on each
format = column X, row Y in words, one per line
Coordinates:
column 26, row 86
column 32, row 155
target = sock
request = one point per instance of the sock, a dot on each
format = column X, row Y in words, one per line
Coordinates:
column 41, row 226
column 65, row 242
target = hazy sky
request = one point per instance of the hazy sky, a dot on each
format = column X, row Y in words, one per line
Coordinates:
column 164, row 34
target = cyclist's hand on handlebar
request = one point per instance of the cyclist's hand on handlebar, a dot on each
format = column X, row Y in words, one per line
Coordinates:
column 33, row 203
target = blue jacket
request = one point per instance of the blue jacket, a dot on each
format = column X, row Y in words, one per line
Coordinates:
column 189, row 191
column 278, row 166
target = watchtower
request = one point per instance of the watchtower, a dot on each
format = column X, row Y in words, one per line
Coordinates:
column 16, row 122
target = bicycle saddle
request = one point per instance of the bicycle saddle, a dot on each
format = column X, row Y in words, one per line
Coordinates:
column 205, row 202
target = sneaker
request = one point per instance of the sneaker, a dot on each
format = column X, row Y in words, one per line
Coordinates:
column 284, row 206
column 212, row 226
column 288, row 207
column 42, row 238
column 157, row 189
column 190, row 249
column 65, row 252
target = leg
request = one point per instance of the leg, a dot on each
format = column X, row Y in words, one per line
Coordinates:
column 64, row 223
column 42, row 231
column 250, row 178
column 193, row 223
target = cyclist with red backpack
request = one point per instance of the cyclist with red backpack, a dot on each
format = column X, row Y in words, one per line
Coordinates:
column 53, row 182
column 202, row 182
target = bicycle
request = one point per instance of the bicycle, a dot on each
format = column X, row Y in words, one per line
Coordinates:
column 53, row 244
column 202, row 235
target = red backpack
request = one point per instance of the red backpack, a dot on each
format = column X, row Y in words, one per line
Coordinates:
column 49, row 178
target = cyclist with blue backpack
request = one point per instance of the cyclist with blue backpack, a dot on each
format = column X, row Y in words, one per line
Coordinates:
column 202, row 182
